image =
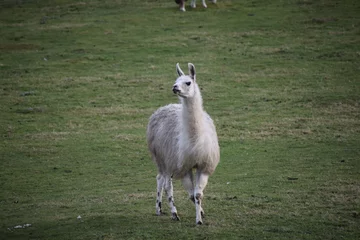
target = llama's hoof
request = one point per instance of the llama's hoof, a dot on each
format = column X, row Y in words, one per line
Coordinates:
column 205, row 6
column 182, row 9
column 199, row 223
column 193, row 5
column 175, row 217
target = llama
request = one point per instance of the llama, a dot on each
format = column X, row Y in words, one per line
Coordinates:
column 182, row 137
column 193, row 4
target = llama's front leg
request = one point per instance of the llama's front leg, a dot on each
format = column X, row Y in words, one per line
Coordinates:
column 201, row 182
column 170, row 194
column 160, row 185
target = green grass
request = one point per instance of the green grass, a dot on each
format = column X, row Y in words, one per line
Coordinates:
column 79, row 80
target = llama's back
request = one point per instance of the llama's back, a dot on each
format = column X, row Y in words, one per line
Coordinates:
column 162, row 137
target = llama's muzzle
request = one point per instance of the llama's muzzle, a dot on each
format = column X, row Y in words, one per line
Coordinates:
column 176, row 89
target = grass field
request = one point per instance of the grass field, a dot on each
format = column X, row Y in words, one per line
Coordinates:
column 79, row 80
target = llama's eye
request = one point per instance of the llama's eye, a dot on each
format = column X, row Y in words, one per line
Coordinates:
column 188, row 83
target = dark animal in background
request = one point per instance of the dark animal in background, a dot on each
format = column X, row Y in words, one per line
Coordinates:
column 193, row 4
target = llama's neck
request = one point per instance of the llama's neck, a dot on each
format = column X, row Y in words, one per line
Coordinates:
column 192, row 114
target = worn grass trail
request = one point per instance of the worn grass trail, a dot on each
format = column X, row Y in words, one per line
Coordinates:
column 79, row 80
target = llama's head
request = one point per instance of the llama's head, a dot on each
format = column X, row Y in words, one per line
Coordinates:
column 185, row 85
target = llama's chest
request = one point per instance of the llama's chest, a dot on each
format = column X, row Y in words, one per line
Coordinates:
column 199, row 150
column 201, row 155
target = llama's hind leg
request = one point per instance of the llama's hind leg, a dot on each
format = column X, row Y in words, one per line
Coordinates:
column 170, row 194
column 201, row 182
column 160, row 185
column 188, row 184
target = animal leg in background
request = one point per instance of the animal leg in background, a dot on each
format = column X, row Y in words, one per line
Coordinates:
column 193, row 3
column 181, row 4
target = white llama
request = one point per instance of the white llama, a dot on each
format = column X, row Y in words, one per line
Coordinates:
column 193, row 4
column 182, row 137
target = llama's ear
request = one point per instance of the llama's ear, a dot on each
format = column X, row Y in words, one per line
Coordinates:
column 179, row 71
column 192, row 73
